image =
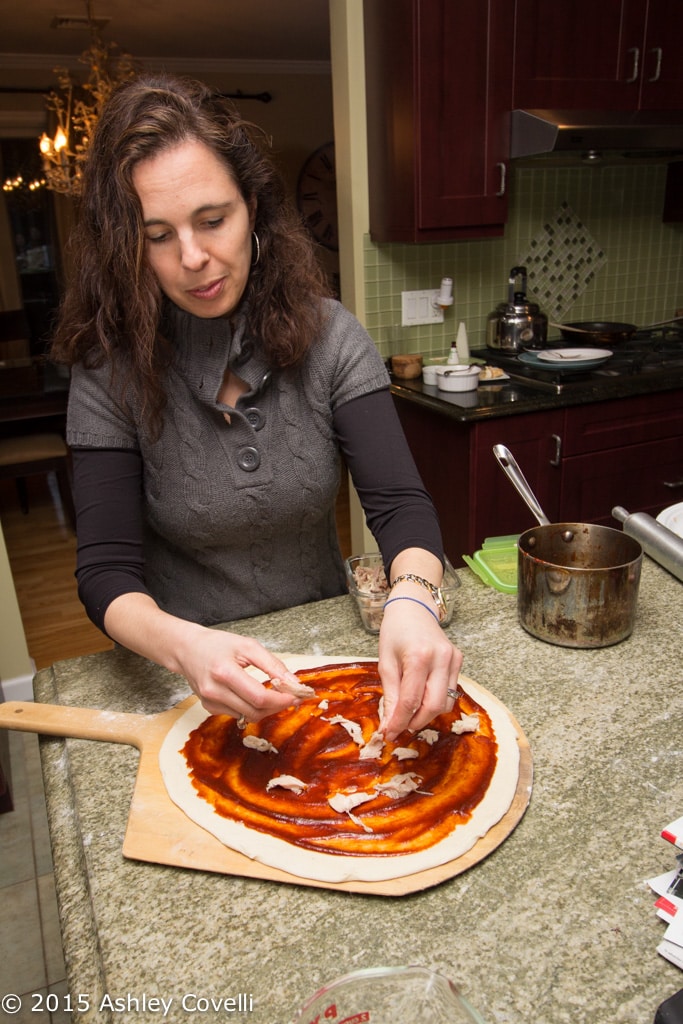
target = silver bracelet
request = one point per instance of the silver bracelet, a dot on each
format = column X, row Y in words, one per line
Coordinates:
column 415, row 600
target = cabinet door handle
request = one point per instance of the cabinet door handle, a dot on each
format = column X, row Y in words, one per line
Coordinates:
column 657, row 50
column 636, row 63
column 672, row 484
column 555, row 461
column 503, row 176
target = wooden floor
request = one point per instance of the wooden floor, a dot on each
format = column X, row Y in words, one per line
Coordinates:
column 42, row 554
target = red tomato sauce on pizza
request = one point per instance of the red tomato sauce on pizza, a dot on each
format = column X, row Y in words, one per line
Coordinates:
column 450, row 774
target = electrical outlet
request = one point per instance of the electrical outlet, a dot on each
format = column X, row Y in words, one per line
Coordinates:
column 420, row 308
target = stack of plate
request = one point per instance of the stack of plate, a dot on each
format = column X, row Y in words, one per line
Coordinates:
column 672, row 518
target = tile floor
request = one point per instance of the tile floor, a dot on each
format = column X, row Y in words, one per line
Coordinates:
column 31, row 960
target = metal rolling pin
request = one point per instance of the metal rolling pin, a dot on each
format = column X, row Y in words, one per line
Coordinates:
column 660, row 543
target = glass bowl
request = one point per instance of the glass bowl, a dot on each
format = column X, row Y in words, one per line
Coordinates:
column 371, row 594
column 389, row 995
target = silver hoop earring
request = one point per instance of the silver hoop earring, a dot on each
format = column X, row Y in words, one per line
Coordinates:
column 258, row 249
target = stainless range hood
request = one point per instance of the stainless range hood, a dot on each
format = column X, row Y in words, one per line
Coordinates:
column 534, row 132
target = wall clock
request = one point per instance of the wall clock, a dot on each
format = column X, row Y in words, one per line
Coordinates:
column 316, row 196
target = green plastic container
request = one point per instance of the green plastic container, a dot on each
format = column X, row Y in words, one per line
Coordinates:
column 496, row 563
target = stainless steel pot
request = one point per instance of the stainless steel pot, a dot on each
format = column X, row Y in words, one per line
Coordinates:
column 577, row 583
column 517, row 324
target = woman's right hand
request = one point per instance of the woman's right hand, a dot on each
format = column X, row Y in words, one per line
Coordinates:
column 216, row 666
column 213, row 661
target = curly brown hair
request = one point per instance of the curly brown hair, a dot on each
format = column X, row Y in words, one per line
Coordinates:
column 113, row 301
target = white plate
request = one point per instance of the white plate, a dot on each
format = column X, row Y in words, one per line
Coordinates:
column 560, row 365
column 493, row 380
column 578, row 355
column 672, row 518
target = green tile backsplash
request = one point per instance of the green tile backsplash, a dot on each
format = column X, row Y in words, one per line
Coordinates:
column 640, row 281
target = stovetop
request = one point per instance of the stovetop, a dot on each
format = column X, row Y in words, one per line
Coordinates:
column 655, row 353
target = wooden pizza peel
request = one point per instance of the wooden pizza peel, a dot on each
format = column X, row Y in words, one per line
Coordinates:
column 160, row 833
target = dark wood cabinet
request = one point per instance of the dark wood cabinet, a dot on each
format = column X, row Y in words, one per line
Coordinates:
column 580, row 461
column 613, row 55
column 442, row 78
column 472, row 494
column 438, row 84
column 627, row 452
column 535, row 441
column 662, row 68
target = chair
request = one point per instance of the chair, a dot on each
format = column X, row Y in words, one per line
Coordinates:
column 5, row 780
column 15, row 334
column 32, row 454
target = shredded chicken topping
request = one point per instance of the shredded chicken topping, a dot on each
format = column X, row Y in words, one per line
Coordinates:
column 405, row 753
column 287, row 782
column 466, row 723
column 259, row 743
column 293, row 689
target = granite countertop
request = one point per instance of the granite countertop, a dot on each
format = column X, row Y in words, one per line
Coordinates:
column 556, row 925
column 515, row 396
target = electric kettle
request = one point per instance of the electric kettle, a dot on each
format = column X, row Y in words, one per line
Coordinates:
column 517, row 324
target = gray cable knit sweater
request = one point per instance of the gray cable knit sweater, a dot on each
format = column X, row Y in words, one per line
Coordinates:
column 239, row 518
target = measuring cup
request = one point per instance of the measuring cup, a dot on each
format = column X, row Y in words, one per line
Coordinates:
column 388, row 995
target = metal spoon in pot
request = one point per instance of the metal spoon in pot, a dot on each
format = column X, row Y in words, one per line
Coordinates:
column 512, row 470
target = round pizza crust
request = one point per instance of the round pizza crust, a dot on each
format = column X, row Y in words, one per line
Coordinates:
column 324, row 867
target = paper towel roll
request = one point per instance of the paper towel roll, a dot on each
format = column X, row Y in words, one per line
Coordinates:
column 462, row 344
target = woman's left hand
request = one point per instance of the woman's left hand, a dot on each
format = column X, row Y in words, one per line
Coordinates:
column 417, row 662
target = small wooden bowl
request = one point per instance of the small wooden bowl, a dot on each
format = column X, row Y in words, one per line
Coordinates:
column 406, row 367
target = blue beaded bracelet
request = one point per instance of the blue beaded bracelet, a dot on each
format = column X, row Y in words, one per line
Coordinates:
column 415, row 601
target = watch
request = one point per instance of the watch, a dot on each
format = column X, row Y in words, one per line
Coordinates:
column 316, row 196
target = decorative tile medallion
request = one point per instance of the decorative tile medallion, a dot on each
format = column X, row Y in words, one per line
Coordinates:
column 561, row 262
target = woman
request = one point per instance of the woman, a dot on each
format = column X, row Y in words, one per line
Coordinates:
column 214, row 388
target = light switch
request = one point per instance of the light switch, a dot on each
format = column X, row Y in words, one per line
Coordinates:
column 420, row 308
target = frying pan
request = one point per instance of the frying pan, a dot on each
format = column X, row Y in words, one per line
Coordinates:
column 606, row 332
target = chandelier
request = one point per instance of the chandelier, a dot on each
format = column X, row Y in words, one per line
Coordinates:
column 77, row 107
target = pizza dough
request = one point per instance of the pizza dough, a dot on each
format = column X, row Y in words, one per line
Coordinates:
column 378, row 798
